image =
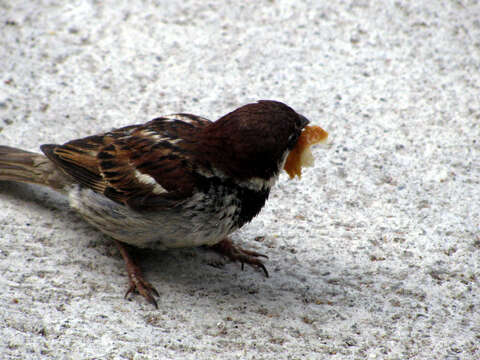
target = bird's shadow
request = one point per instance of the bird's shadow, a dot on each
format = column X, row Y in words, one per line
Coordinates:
column 196, row 273
column 40, row 197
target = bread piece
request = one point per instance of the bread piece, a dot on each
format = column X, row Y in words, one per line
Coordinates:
column 301, row 156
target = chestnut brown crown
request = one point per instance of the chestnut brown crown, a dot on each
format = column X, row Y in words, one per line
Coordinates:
column 252, row 141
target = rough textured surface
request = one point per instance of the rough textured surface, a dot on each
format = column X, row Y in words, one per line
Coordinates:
column 375, row 253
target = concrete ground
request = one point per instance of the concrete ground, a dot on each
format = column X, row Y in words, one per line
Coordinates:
column 374, row 254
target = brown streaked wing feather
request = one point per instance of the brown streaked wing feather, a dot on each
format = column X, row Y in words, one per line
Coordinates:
column 78, row 158
column 136, row 165
column 161, row 150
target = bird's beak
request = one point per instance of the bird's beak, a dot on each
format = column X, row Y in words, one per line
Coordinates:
column 303, row 121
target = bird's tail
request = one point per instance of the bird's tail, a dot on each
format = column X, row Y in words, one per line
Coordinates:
column 24, row 166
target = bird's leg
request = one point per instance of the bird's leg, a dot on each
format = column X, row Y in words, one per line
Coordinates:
column 135, row 277
column 236, row 253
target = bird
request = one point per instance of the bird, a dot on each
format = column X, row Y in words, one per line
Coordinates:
column 176, row 181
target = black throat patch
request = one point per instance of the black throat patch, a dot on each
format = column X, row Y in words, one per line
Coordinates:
column 249, row 202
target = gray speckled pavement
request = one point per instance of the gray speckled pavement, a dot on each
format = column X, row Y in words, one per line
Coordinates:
column 374, row 254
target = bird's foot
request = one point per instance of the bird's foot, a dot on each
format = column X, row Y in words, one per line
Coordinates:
column 236, row 253
column 135, row 277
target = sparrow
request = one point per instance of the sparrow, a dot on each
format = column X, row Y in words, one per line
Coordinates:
column 176, row 181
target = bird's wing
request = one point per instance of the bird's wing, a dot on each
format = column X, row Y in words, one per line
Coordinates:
column 143, row 166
